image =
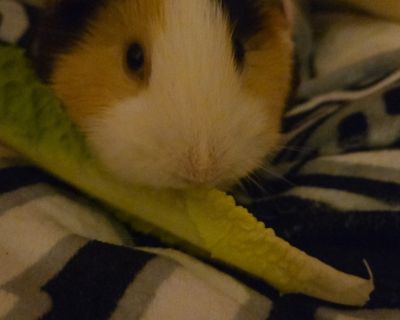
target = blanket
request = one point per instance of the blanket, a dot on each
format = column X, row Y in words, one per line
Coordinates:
column 332, row 190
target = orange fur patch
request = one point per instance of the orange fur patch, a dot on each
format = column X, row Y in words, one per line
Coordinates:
column 269, row 63
column 94, row 76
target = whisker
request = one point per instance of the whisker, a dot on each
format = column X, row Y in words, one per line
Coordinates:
column 276, row 175
column 242, row 187
column 254, row 181
column 241, row 193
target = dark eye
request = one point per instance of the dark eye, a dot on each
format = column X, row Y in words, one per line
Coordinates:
column 135, row 57
column 239, row 51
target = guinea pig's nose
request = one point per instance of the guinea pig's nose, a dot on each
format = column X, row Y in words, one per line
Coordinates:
column 200, row 168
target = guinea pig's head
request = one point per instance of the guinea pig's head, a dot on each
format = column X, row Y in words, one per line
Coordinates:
column 172, row 93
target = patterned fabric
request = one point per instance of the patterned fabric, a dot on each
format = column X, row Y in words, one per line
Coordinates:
column 333, row 190
column 62, row 257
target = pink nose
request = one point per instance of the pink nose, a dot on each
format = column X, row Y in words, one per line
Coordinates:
column 200, row 168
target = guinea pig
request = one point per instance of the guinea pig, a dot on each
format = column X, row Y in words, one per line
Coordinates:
column 171, row 93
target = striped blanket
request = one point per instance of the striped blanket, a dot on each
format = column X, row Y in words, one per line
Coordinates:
column 333, row 190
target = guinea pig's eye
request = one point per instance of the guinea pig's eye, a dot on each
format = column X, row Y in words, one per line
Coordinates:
column 135, row 57
column 239, row 51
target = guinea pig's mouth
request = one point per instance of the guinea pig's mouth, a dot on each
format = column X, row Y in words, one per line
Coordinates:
column 213, row 176
column 187, row 182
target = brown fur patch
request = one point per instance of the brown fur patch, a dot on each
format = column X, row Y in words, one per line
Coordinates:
column 93, row 75
column 269, row 63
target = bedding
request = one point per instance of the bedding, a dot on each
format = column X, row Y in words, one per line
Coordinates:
column 333, row 190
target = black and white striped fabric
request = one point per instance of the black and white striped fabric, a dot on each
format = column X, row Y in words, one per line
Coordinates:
column 332, row 190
